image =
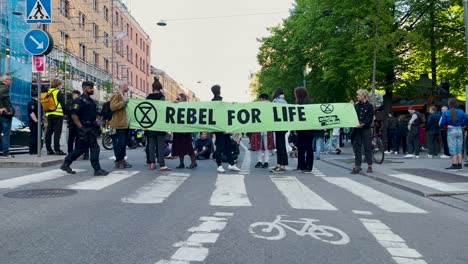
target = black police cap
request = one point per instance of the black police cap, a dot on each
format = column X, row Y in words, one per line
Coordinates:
column 87, row 84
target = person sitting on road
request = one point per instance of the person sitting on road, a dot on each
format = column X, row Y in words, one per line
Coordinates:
column 203, row 147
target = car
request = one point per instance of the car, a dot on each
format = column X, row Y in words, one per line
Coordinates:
column 19, row 137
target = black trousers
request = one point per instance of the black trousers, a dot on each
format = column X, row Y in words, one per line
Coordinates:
column 443, row 133
column 33, row 138
column 362, row 139
column 90, row 142
column 223, row 146
column 433, row 142
column 305, row 151
column 281, row 152
column 72, row 141
column 54, row 126
column 413, row 141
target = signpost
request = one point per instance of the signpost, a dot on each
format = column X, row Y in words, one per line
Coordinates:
column 38, row 63
column 36, row 42
column 38, row 11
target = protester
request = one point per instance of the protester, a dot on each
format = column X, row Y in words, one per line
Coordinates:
column 203, row 146
column 305, row 155
column 55, row 119
column 33, row 122
column 443, row 134
column 262, row 142
column 119, row 122
column 335, row 141
column 392, row 125
column 6, row 115
column 223, row 140
column 454, row 119
column 318, row 142
column 157, row 139
column 182, row 143
column 413, row 133
column 402, row 134
column 84, row 113
column 433, row 132
column 280, row 137
column 73, row 137
column 361, row 135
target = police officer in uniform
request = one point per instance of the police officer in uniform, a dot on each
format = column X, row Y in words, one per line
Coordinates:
column 33, row 119
column 83, row 114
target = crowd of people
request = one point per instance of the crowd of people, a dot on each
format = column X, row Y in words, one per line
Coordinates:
column 404, row 134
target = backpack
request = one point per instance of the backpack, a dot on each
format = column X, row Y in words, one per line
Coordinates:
column 48, row 102
column 418, row 120
column 106, row 111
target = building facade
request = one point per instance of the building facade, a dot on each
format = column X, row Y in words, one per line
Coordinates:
column 170, row 87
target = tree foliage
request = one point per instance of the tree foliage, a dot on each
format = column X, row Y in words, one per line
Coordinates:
column 330, row 45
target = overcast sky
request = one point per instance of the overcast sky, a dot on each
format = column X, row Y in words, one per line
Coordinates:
column 213, row 51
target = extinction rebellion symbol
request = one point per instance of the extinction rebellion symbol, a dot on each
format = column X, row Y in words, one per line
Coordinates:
column 327, row 108
column 145, row 114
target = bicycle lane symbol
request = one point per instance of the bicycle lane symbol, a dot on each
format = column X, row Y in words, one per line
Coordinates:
column 276, row 230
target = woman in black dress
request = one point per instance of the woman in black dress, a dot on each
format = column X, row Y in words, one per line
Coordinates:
column 182, row 143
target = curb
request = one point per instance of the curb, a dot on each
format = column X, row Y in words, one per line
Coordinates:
column 30, row 164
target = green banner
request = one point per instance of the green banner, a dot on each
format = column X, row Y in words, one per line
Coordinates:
column 237, row 117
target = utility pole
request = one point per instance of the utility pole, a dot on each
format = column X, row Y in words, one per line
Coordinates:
column 465, row 7
column 374, row 59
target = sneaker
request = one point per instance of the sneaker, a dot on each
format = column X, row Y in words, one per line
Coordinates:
column 417, row 157
column 460, row 168
column 50, row 152
column 396, row 152
column 258, row 165
column 278, row 170
column 60, row 153
column 307, row 171
column 387, row 152
column 453, row 167
column 338, row 151
column 118, row 165
column 265, row 165
column 101, row 172
column 8, row 156
column 429, row 156
column 444, row 156
column 409, row 156
column 369, row 169
column 126, row 165
column 67, row 168
column 220, row 169
column 233, row 168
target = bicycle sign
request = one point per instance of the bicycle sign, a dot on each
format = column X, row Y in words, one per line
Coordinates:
column 276, row 230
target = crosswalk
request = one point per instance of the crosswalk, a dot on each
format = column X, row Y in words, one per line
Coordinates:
column 228, row 190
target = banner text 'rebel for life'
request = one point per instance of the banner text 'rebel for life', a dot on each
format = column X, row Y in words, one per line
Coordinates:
column 237, row 117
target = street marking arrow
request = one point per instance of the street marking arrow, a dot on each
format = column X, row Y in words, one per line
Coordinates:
column 39, row 45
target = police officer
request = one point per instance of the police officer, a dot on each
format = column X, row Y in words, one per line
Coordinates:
column 33, row 119
column 83, row 114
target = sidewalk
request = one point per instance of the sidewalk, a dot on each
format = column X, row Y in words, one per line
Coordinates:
column 31, row 161
column 426, row 177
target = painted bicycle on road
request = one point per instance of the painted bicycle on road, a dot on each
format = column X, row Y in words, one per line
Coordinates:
column 276, row 230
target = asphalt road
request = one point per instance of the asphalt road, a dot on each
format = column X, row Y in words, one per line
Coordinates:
column 200, row 216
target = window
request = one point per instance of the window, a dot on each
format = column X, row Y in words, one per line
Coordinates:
column 95, row 31
column 131, row 55
column 106, row 39
column 136, row 38
column 95, row 58
column 116, row 18
column 65, row 8
column 106, row 65
column 127, row 53
column 136, row 60
column 82, row 20
column 121, row 23
column 82, row 51
column 95, row 5
column 65, row 40
column 147, row 50
column 131, row 33
column 128, row 29
column 106, row 13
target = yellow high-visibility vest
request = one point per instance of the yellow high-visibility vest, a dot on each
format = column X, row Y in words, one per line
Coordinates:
column 58, row 111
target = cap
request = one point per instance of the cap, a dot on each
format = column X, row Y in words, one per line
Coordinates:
column 77, row 92
column 87, row 84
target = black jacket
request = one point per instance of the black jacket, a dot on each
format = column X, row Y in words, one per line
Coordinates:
column 365, row 113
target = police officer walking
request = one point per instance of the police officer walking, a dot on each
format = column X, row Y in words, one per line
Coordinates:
column 83, row 114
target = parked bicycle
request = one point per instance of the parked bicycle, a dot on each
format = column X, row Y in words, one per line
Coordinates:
column 276, row 230
column 377, row 147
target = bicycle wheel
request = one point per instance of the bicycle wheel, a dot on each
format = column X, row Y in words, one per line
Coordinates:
column 329, row 234
column 378, row 154
column 107, row 142
column 268, row 231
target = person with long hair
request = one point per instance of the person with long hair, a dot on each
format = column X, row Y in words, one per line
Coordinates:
column 305, row 151
column 182, row 143
column 280, row 137
column 453, row 119
column 262, row 142
column 361, row 135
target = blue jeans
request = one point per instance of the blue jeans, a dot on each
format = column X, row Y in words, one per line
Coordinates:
column 318, row 143
column 119, row 140
column 5, row 130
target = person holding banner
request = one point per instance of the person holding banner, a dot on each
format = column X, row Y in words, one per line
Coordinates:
column 305, row 155
column 157, row 139
column 361, row 135
column 223, row 140
column 182, row 143
column 280, row 138
column 262, row 142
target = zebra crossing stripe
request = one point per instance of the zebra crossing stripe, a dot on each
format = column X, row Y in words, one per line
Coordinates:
column 438, row 185
column 158, row 190
column 300, row 196
column 98, row 183
column 33, row 178
column 381, row 200
column 230, row 191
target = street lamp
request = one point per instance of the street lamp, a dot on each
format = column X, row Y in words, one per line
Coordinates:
column 162, row 23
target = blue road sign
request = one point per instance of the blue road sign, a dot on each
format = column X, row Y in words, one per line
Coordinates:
column 38, row 11
column 36, row 41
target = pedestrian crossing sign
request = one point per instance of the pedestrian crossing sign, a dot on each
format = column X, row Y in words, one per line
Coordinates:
column 38, row 11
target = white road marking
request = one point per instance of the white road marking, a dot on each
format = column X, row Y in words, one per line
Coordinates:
column 230, row 191
column 98, row 183
column 393, row 243
column 191, row 254
column 208, row 226
column 434, row 184
column 298, row 195
column 158, row 190
column 316, row 172
column 163, row 261
column 362, row 212
column 207, row 238
column 381, row 200
column 223, row 214
column 33, row 178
